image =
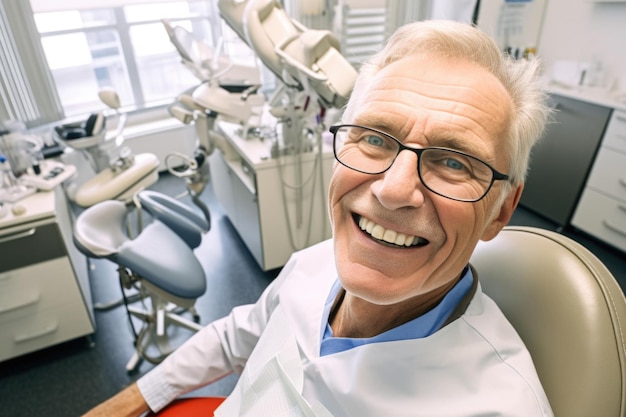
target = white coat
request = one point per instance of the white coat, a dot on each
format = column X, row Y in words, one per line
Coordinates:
column 475, row 366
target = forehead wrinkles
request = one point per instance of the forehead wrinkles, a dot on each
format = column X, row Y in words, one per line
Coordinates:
column 411, row 108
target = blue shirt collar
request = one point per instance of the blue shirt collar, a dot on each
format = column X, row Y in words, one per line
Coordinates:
column 420, row 327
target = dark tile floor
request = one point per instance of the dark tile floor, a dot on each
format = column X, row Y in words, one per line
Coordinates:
column 68, row 379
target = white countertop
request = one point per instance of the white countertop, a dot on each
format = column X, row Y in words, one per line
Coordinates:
column 255, row 151
column 599, row 96
column 35, row 207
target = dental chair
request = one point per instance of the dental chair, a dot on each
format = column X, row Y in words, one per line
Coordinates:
column 158, row 262
column 227, row 90
column 566, row 306
column 207, row 63
column 570, row 312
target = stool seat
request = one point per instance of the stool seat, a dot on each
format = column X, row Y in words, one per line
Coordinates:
column 159, row 255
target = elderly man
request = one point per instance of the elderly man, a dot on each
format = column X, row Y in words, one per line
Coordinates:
column 388, row 318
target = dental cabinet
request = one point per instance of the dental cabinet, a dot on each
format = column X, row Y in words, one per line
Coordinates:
column 277, row 205
column 44, row 289
column 577, row 176
column 561, row 161
column 601, row 211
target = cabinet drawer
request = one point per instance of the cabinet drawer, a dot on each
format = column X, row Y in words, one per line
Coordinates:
column 615, row 136
column 26, row 246
column 609, row 173
column 33, row 332
column 603, row 217
column 33, row 289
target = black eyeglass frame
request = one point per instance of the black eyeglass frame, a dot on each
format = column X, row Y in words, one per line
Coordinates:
column 497, row 175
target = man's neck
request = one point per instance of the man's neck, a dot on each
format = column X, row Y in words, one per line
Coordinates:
column 354, row 317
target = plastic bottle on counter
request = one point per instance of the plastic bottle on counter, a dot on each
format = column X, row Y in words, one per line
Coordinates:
column 5, row 173
column 6, row 181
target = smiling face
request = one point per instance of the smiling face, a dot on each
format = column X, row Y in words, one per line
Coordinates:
column 423, row 101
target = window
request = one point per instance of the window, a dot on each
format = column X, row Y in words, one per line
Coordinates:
column 55, row 56
column 125, row 47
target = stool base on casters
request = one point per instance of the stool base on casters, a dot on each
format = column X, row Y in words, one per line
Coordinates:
column 154, row 330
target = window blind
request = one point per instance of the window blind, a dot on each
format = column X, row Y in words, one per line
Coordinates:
column 27, row 91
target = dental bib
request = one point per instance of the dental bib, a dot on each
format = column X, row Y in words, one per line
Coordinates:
column 274, row 388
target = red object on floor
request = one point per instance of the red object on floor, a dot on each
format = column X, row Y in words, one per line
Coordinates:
column 190, row 407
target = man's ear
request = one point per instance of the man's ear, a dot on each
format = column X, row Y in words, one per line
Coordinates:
column 504, row 215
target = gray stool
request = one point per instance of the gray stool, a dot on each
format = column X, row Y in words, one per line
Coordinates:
column 159, row 262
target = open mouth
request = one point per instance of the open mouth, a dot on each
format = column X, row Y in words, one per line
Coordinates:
column 388, row 236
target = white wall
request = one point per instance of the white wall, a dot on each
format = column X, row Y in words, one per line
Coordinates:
column 580, row 30
column 584, row 30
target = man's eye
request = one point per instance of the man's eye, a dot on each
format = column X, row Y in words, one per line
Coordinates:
column 374, row 140
column 455, row 164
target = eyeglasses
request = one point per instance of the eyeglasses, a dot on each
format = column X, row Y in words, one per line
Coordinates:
column 446, row 172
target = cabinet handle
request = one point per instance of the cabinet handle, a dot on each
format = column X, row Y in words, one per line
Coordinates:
column 613, row 228
column 620, row 118
column 26, row 337
column 32, row 300
column 20, row 235
column 622, row 182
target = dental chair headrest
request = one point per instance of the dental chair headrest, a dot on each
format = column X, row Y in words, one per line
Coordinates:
column 266, row 24
column 232, row 12
column 314, row 55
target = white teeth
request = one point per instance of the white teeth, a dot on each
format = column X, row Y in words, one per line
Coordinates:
column 377, row 232
column 405, row 240
column 391, row 236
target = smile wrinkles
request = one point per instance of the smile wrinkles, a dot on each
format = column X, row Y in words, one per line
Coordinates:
column 387, row 235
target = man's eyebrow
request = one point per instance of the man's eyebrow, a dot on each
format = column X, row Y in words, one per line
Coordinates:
column 442, row 139
column 373, row 123
column 462, row 145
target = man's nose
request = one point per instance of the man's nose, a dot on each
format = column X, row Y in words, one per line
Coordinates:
column 400, row 185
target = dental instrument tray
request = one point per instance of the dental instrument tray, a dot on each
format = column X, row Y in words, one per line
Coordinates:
column 51, row 174
column 82, row 135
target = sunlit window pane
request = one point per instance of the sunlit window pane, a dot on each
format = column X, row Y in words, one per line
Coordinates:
column 161, row 73
column 81, row 64
column 128, row 49
column 235, row 48
column 71, row 19
column 174, row 10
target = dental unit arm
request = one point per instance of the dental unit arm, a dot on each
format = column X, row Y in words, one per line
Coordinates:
column 234, row 107
column 227, row 90
column 314, row 74
column 193, row 170
column 295, row 54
